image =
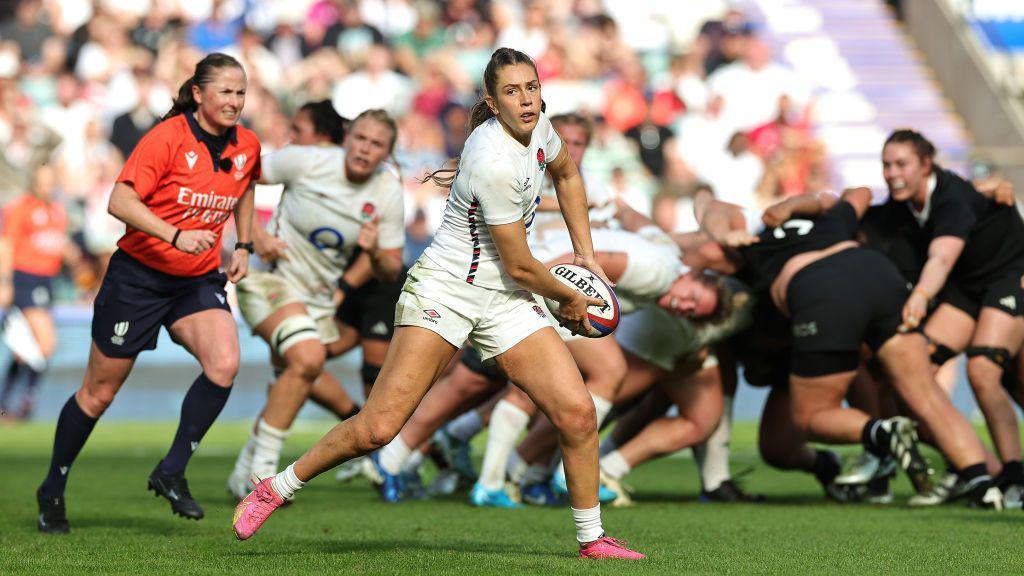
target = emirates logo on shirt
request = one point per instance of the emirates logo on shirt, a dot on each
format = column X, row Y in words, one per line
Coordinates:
column 540, row 159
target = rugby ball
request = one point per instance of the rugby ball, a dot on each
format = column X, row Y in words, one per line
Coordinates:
column 603, row 319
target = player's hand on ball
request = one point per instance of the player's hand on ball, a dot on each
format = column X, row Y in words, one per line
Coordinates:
column 592, row 265
column 367, row 239
column 239, row 266
column 573, row 313
column 195, row 241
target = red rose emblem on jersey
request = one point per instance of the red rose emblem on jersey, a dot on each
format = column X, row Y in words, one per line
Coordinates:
column 368, row 211
column 540, row 159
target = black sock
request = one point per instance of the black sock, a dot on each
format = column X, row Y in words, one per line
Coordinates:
column 202, row 404
column 976, row 480
column 73, row 429
column 875, row 438
column 1013, row 473
column 826, row 466
column 13, row 371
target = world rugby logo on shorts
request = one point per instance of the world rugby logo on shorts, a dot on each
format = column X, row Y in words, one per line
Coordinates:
column 120, row 329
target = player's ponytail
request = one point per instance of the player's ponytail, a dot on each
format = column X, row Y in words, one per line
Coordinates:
column 205, row 69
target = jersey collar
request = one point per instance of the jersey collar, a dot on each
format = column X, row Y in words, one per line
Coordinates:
column 214, row 144
column 922, row 216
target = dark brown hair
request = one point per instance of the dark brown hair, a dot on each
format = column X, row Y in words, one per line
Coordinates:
column 205, row 70
column 922, row 146
column 326, row 120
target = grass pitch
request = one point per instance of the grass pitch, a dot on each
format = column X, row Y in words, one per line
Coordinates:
column 119, row 527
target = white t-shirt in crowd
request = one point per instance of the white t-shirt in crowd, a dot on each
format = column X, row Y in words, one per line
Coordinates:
column 321, row 212
column 499, row 181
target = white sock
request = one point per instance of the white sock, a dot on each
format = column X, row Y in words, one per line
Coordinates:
column 713, row 456
column 243, row 464
column 516, row 467
column 535, row 474
column 602, row 407
column 413, row 463
column 466, row 426
column 286, row 484
column 393, row 455
column 588, row 523
column 614, row 464
column 507, row 422
column 267, row 455
column 607, row 445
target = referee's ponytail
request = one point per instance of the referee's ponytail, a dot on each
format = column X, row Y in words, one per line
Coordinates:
column 205, row 69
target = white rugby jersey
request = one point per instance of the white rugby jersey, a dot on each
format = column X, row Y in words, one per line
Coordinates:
column 652, row 267
column 320, row 214
column 498, row 182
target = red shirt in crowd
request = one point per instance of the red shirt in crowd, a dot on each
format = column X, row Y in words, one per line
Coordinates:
column 37, row 231
column 173, row 171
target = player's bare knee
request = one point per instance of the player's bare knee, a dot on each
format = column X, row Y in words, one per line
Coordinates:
column 308, row 365
column 95, row 398
column 221, row 370
column 577, row 419
column 983, row 373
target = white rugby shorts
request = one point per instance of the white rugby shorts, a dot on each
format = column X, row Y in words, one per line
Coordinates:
column 260, row 294
column 493, row 321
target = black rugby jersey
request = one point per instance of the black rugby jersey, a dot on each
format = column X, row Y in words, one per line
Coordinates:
column 763, row 261
column 993, row 233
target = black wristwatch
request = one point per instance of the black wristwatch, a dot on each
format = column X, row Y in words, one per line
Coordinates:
column 245, row 246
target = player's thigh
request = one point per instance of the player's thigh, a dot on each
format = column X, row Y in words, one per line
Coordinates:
column 641, row 376
column 598, row 358
column 997, row 329
column 950, row 326
column 348, row 338
column 698, row 395
column 415, row 360
column 812, row 394
column 541, row 365
column 40, row 322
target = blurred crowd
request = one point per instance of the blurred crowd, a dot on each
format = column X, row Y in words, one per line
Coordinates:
column 684, row 95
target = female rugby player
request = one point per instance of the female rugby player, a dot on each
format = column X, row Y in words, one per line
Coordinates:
column 475, row 281
column 336, row 201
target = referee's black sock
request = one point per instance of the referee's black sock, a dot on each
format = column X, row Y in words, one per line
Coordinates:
column 201, row 406
column 73, row 429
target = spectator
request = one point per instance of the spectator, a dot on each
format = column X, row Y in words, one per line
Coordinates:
column 27, row 29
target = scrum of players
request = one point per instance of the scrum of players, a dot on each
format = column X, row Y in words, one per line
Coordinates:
column 821, row 299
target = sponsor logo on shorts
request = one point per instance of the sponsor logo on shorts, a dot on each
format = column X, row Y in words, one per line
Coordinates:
column 1009, row 302
column 220, row 298
column 40, row 296
column 380, row 329
column 190, row 158
column 431, row 315
column 120, row 329
column 805, row 329
column 538, row 311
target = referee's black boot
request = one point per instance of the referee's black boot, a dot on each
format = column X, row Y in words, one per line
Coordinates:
column 53, row 518
column 175, row 489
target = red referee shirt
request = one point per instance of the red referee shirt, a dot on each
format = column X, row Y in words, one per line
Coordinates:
column 173, row 171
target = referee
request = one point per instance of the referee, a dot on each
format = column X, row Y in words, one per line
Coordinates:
column 186, row 177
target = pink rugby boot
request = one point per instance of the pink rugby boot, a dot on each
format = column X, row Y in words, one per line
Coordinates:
column 607, row 547
column 255, row 508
